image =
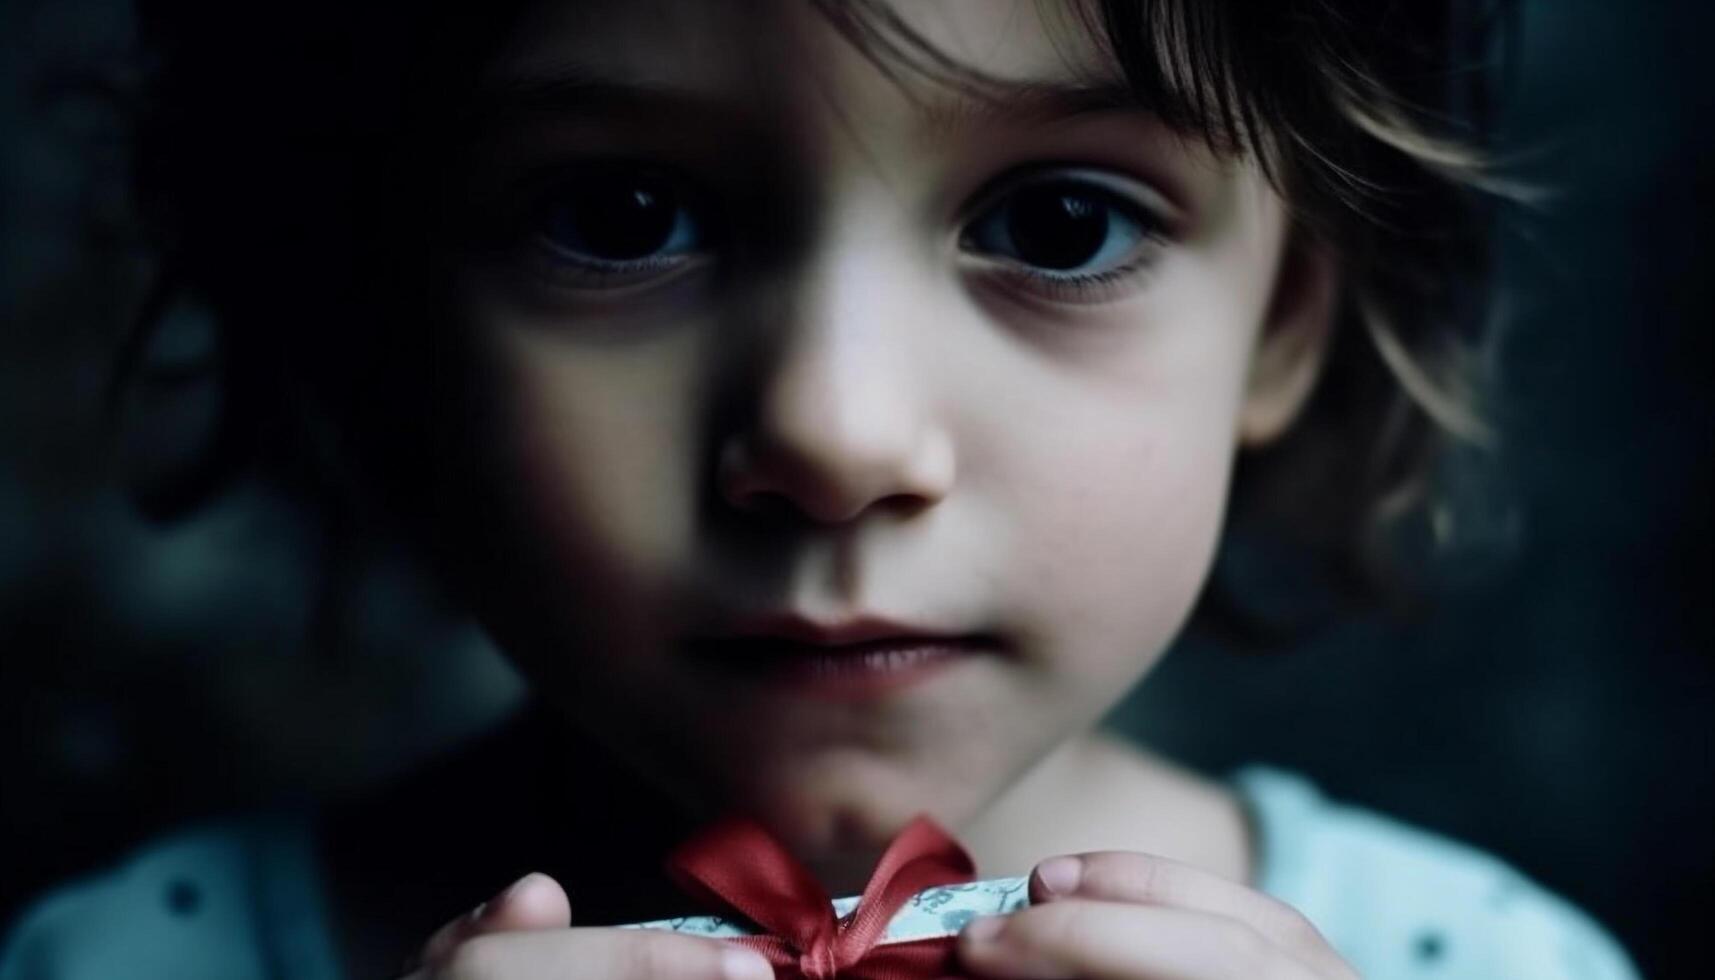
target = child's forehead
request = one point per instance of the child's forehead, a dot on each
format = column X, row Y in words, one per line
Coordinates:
column 771, row 51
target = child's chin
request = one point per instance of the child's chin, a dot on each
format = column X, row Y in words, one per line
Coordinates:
column 855, row 818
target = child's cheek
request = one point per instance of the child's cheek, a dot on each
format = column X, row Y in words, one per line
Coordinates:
column 1119, row 561
column 1114, row 486
column 596, row 450
column 597, row 453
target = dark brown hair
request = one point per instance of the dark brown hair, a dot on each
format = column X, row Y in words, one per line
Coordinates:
column 1369, row 117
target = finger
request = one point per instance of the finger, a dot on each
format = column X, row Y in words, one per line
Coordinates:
column 1110, row 941
column 607, row 954
column 534, row 901
column 1145, row 879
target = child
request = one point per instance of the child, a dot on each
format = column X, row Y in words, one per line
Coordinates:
column 832, row 409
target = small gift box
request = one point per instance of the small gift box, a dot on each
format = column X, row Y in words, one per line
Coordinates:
column 930, row 914
column 901, row 928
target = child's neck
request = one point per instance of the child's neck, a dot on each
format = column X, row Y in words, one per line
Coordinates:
column 402, row 864
column 1094, row 792
column 1097, row 792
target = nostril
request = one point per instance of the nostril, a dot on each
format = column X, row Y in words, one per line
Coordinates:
column 739, row 482
column 836, row 481
column 773, row 507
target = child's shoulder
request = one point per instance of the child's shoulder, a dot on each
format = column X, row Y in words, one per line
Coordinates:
column 1398, row 901
column 233, row 900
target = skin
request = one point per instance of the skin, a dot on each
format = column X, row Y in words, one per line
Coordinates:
column 845, row 407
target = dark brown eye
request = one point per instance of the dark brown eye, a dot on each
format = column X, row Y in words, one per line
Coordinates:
column 1056, row 226
column 1061, row 225
column 619, row 218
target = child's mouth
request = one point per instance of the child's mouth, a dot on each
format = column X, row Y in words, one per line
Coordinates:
column 841, row 671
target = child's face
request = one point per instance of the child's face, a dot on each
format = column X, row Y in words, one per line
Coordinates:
column 781, row 336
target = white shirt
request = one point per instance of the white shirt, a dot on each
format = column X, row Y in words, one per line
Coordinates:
column 245, row 901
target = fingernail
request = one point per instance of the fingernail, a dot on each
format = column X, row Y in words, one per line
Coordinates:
column 1059, row 876
column 515, row 888
column 738, row 963
column 497, row 901
column 984, row 929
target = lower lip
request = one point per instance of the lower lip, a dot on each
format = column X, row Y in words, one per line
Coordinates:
column 855, row 672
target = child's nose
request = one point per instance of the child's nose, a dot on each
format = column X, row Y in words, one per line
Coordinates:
column 845, row 416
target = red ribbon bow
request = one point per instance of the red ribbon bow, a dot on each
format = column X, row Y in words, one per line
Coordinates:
column 739, row 866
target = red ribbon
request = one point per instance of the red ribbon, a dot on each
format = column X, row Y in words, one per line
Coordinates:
column 739, row 866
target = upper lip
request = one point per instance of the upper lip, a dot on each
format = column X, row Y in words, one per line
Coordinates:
column 802, row 629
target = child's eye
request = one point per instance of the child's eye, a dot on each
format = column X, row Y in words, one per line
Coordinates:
column 1068, row 233
column 618, row 226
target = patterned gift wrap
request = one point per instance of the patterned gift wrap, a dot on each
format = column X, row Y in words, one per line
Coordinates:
column 929, row 914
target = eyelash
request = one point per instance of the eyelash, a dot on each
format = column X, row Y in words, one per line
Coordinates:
column 562, row 266
column 584, row 274
column 1092, row 287
column 1120, row 194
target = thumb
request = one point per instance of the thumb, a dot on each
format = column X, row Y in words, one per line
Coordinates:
column 534, row 901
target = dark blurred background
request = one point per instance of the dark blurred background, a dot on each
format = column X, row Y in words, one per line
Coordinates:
column 1553, row 706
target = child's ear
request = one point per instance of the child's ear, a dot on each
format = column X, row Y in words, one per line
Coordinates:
column 1294, row 340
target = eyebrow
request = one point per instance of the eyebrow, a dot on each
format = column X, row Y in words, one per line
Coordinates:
column 1033, row 102
column 570, row 89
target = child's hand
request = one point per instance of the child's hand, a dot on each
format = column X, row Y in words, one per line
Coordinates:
column 525, row 933
column 1121, row 915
